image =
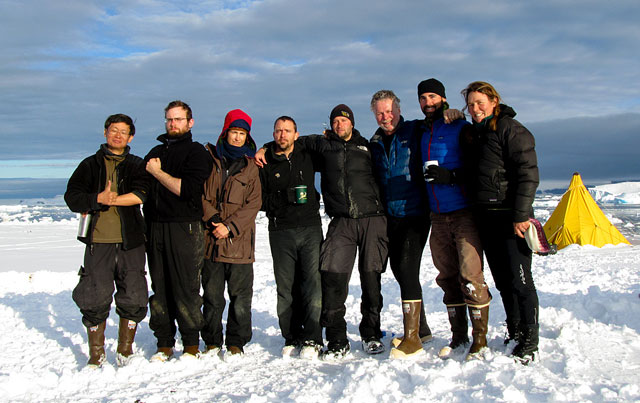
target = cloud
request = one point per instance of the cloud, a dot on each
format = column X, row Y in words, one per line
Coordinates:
column 599, row 148
column 61, row 77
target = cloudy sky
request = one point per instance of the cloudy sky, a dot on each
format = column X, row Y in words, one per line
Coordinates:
column 570, row 68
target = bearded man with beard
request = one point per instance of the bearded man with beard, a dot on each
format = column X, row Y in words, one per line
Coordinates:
column 455, row 242
column 175, row 236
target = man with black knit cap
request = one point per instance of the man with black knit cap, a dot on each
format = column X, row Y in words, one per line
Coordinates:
column 455, row 242
column 352, row 200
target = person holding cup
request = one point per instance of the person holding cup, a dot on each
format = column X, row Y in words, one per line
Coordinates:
column 455, row 243
column 291, row 201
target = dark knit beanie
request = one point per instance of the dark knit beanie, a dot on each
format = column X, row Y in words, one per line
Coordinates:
column 240, row 124
column 344, row 111
column 431, row 85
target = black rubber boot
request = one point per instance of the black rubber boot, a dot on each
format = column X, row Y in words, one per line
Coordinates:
column 527, row 348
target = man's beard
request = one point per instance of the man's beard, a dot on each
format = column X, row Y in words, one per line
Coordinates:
column 176, row 133
column 433, row 115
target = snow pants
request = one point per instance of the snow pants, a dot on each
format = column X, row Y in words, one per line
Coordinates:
column 175, row 251
column 239, row 280
column 457, row 254
column 509, row 259
column 345, row 237
column 104, row 264
column 296, row 266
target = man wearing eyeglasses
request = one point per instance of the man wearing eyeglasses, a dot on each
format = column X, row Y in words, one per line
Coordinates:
column 108, row 188
column 175, row 236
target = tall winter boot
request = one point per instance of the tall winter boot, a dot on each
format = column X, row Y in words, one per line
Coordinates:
column 425, row 331
column 96, row 344
column 411, row 345
column 459, row 329
column 479, row 323
column 126, row 334
column 513, row 332
column 527, row 348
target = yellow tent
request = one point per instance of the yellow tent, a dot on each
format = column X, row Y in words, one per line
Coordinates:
column 578, row 219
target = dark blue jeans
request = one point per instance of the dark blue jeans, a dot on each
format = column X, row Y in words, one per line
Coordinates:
column 296, row 266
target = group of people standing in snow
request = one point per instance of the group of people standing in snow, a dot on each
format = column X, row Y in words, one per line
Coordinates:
column 471, row 184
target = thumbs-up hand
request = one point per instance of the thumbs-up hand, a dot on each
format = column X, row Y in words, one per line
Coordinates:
column 107, row 197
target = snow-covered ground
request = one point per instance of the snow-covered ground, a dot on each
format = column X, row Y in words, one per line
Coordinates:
column 590, row 326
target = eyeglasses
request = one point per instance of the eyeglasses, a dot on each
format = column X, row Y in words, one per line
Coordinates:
column 114, row 131
column 177, row 120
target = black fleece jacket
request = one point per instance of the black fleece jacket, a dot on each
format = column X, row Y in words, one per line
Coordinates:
column 279, row 177
column 185, row 159
column 89, row 179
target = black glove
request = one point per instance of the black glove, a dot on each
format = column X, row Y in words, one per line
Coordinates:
column 438, row 175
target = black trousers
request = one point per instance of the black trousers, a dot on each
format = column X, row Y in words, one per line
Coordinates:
column 175, row 252
column 509, row 260
column 407, row 239
column 296, row 266
column 345, row 237
column 239, row 280
column 104, row 265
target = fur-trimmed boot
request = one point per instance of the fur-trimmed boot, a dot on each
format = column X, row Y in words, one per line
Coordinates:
column 479, row 323
column 459, row 329
column 96, row 344
column 126, row 333
column 411, row 345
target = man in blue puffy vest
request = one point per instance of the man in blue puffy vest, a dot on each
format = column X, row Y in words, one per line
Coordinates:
column 455, row 243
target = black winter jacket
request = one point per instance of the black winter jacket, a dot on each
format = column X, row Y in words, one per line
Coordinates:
column 185, row 159
column 89, row 179
column 503, row 165
column 279, row 177
column 349, row 188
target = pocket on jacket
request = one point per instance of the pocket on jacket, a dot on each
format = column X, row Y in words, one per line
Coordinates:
column 236, row 192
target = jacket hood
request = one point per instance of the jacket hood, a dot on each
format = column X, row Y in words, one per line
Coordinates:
column 506, row 111
column 237, row 118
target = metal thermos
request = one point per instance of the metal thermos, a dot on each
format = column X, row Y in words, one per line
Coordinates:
column 84, row 225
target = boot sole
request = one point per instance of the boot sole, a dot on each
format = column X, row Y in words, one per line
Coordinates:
column 397, row 354
column 395, row 342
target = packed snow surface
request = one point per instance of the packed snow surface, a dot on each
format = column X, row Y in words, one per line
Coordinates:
column 589, row 344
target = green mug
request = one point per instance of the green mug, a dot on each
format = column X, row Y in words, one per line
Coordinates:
column 301, row 194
